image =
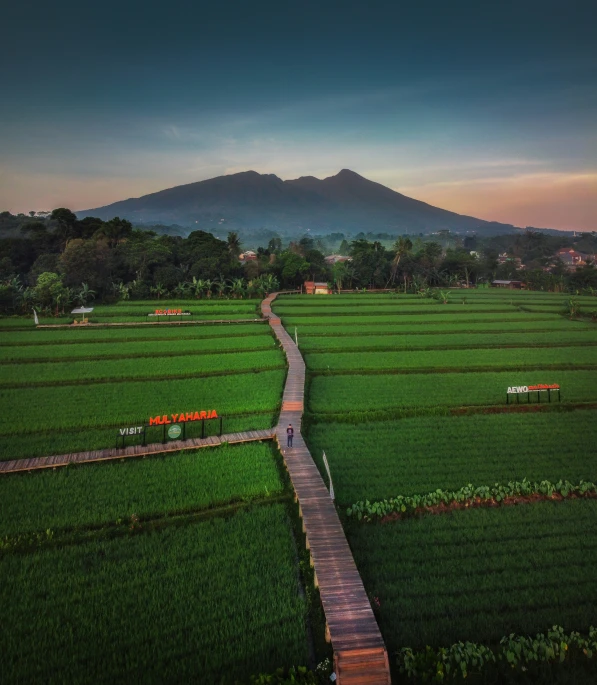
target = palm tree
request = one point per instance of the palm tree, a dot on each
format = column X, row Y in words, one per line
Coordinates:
column 234, row 246
column 402, row 247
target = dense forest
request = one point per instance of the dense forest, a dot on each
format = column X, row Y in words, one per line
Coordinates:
column 52, row 260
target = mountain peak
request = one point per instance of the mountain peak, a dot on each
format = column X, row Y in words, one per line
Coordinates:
column 248, row 200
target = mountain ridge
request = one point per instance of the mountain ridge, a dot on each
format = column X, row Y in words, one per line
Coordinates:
column 248, row 201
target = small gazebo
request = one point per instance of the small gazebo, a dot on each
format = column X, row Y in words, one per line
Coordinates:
column 84, row 311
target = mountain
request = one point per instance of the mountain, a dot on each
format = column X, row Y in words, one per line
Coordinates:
column 249, row 201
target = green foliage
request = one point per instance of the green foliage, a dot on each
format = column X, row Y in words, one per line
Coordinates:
column 159, row 367
column 411, row 341
column 518, row 652
column 356, row 393
column 201, row 602
column 77, row 347
column 405, row 504
column 295, row 676
column 148, row 488
column 109, row 405
column 415, row 455
column 69, row 339
column 481, row 573
column 459, row 360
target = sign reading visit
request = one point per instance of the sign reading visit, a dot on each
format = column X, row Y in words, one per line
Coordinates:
column 180, row 418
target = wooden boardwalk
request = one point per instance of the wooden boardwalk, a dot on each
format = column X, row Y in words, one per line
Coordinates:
column 360, row 656
column 133, row 451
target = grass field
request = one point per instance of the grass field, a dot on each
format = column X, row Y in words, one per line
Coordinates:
column 210, row 602
column 71, row 389
column 98, row 494
column 389, row 378
column 482, row 574
column 418, row 455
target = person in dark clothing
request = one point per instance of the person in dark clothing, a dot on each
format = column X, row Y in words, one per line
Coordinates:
column 289, row 434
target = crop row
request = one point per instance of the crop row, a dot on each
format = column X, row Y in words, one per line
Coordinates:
column 421, row 454
column 521, row 325
column 74, row 336
column 446, row 315
column 481, row 573
column 468, row 494
column 494, row 339
column 146, row 488
column 396, row 302
column 136, row 348
column 27, row 322
column 64, row 408
column 199, row 603
column 361, row 393
column 429, row 310
column 185, row 366
column 517, row 358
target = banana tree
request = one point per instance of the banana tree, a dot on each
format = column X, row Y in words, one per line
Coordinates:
column 159, row 290
column 85, row 294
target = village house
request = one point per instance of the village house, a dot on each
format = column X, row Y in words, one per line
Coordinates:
column 505, row 258
column 313, row 288
column 571, row 258
column 335, row 258
column 248, row 256
column 512, row 285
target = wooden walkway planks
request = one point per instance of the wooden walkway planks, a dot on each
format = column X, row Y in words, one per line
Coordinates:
column 360, row 656
column 133, row 451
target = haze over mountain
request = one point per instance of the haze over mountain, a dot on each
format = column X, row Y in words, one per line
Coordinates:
column 249, row 201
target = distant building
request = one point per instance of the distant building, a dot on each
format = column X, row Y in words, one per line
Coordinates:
column 313, row 288
column 248, row 256
column 505, row 258
column 335, row 258
column 512, row 285
column 572, row 258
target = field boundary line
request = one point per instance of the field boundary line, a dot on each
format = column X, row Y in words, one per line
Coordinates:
column 198, row 322
column 360, row 655
column 35, row 463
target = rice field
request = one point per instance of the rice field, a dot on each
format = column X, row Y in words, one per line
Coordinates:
column 151, row 487
column 481, row 574
column 201, row 602
column 407, row 396
column 66, row 390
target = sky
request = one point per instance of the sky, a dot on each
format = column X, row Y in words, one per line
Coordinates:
column 486, row 109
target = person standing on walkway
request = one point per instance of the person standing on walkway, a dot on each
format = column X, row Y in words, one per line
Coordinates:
column 289, row 435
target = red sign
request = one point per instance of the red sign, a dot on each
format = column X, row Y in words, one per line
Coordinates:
column 180, row 418
column 168, row 312
column 516, row 389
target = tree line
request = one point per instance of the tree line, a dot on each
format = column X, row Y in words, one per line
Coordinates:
column 57, row 260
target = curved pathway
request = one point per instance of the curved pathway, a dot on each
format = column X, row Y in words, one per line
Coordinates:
column 360, row 655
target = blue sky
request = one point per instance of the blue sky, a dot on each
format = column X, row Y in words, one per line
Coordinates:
column 489, row 111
